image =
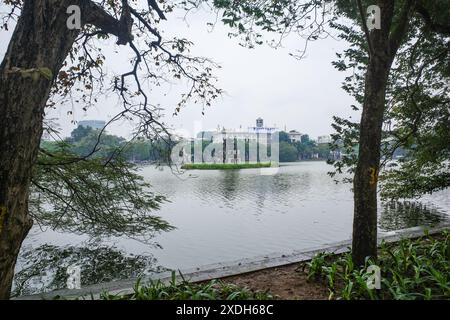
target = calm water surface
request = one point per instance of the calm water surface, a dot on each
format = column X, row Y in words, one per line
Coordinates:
column 220, row 216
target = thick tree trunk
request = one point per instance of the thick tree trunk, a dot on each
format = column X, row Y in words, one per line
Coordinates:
column 366, row 173
column 40, row 40
column 383, row 44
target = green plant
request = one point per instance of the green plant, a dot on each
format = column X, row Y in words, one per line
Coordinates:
column 185, row 290
column 316, row 264
column 410, row 269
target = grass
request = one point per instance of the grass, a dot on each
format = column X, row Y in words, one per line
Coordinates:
column 212, row 290
column 410, row 269
column 225, row 166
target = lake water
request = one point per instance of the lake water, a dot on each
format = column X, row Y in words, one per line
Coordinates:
column 219, row 216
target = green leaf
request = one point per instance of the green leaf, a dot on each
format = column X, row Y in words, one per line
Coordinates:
column 46, row 72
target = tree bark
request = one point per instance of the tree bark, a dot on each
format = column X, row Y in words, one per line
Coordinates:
column 381, row 53
column 366, row 174
column 40, row 40
column 383, row 45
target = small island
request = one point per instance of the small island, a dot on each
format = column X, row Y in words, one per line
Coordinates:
column 227, row 166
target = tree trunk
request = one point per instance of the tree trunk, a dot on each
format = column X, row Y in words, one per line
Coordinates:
column 40, row 40
column 366, row 174
column 383, row 45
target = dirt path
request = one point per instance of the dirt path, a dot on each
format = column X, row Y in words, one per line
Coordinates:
column 284, row 282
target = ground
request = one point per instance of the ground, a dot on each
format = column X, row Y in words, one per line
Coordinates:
column 285, row 282
column 415, row 268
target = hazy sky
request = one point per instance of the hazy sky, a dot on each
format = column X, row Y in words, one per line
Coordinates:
column 261, row 82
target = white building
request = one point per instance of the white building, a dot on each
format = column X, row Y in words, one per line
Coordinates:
column 295, row 136
column 241, row 144
column 259, row 132
column 323, row 139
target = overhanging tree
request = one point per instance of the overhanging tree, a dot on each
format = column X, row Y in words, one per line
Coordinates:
column 416, row 119
column 46, row 59
column 400, row 22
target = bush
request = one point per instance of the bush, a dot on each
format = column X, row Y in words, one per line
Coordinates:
column 410, row 269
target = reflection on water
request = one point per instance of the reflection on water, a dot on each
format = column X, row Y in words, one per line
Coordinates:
column 397, row 215
column 45, row 268
column 229, row 215
column 222, row 216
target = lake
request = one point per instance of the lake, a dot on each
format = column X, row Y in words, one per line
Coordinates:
column 219, row 216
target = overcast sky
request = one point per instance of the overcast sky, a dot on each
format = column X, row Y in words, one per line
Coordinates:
column 261, row 82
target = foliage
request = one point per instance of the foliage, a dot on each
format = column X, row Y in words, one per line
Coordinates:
column 98, row 143
column 44, row 268
column 417, row 100
column 410, row 269
column 288, row 152
column 93, row 195
column 305, row 138
column 251, row 19
column 69, row 191
column 416, row 118
column 156, row 61
column 305, row 149
column 80, row 132
column 283, row 137
column 212, row 290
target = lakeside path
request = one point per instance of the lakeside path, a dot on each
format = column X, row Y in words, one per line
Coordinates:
column 247, row 271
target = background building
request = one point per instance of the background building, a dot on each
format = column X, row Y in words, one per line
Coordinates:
column 294, row 135
column 259, row 122
column 252, row 133
column 94, row 124
column 236, row 142
column 323, row 139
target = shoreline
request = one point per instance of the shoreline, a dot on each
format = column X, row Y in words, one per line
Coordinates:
column 234, row 269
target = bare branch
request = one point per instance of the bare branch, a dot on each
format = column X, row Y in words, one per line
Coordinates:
column 95, row 15
column 153, row 5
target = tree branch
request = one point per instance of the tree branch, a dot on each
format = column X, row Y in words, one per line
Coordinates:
column 401, row 28
column 95, row 15
column 364, row 26
column 435, row 27
column 153, row 5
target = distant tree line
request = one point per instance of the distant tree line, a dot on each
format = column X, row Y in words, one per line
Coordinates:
column 305, row 149
column 86, row 141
